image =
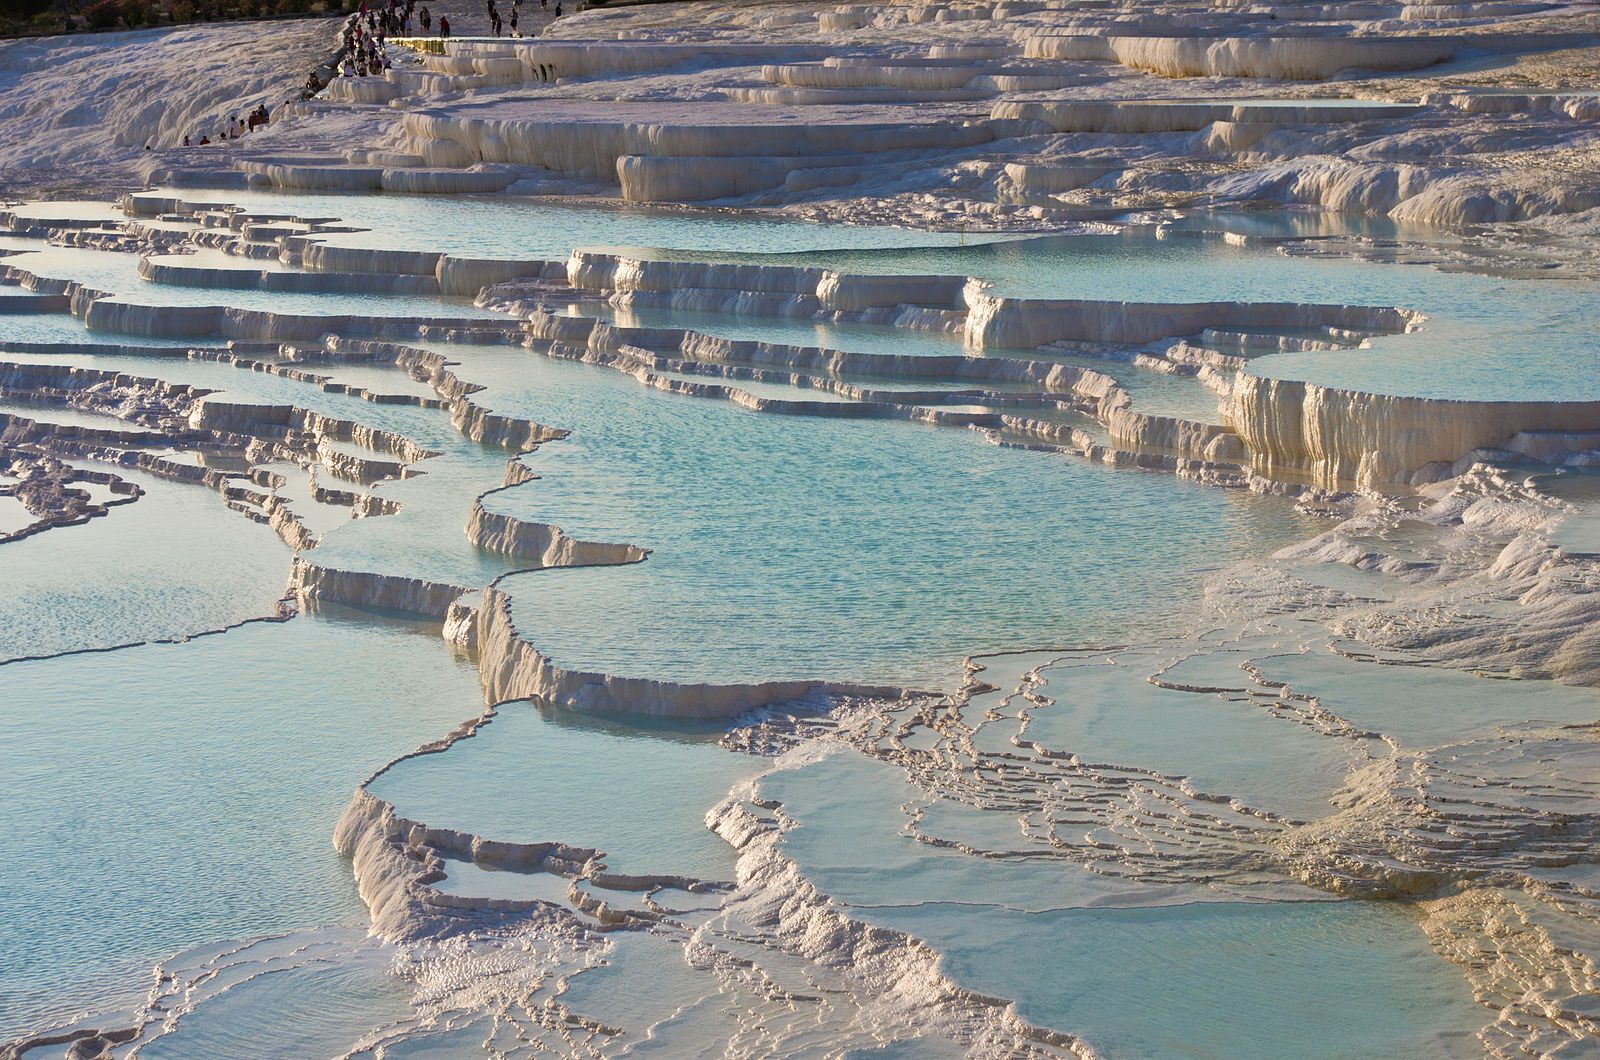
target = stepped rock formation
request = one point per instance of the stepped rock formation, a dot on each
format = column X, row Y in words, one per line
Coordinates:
column 1376, row 745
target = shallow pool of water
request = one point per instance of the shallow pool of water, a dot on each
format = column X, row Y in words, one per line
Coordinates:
column 64, row 415
column 117, row 273
column 536, row 775
column 1168, row 978
column 1485, row 336
column 174, row 562
column 185, row 794
column 180, row 794
column 820, row 548
column 1427, row 706
column 60, row 327
column 502, row 227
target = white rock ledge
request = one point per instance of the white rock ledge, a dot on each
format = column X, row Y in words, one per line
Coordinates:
column 512, row 668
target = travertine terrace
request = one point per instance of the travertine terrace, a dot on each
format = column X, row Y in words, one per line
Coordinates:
column 1019, row 529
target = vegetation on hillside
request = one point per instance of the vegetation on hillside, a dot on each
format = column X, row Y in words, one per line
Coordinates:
column 34, row 17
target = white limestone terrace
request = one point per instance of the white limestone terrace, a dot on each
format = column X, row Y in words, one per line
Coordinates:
column 1327, row 730
column 1024, row 115
column 1290, row 781
column 978, row 115
column 1278, row 428
column 1203, row 818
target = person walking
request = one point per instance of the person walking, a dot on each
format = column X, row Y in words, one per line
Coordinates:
column 427, row 19
column 444, row 26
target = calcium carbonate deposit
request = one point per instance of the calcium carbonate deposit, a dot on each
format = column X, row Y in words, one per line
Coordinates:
column 1009, row 528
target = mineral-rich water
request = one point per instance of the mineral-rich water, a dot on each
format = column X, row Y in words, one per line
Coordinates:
column 185, row 793
column 1122, row 841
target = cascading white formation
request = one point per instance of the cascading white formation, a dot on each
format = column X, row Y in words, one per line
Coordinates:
column 709, row 140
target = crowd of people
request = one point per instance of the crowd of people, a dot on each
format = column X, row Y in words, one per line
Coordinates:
column 235, row 128
column 363, row 52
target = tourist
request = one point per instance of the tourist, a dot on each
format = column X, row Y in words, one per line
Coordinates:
column 427, row 19
column 444, row 26
column 514, row 32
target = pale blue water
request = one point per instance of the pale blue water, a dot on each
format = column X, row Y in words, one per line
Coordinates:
column 59, row 327
column 180, row 794
column 1151, row 391
column 500, row 227
column 96, row 209
column 47, row 413
column 1330, row 980
column 1486, row 337
column 537, row 775
column 318, row 999
column 1470, row 346
column 1108, row 711
column 379, row 379
column 227, row 382
column 117, row 273
column 828, row 335
column 1427, row 706
column 1206, row 978
column 213, row 258
column 172, row 563
column 1579, row 533
column 841, row 549
column 14, row 515
column 424, row 540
